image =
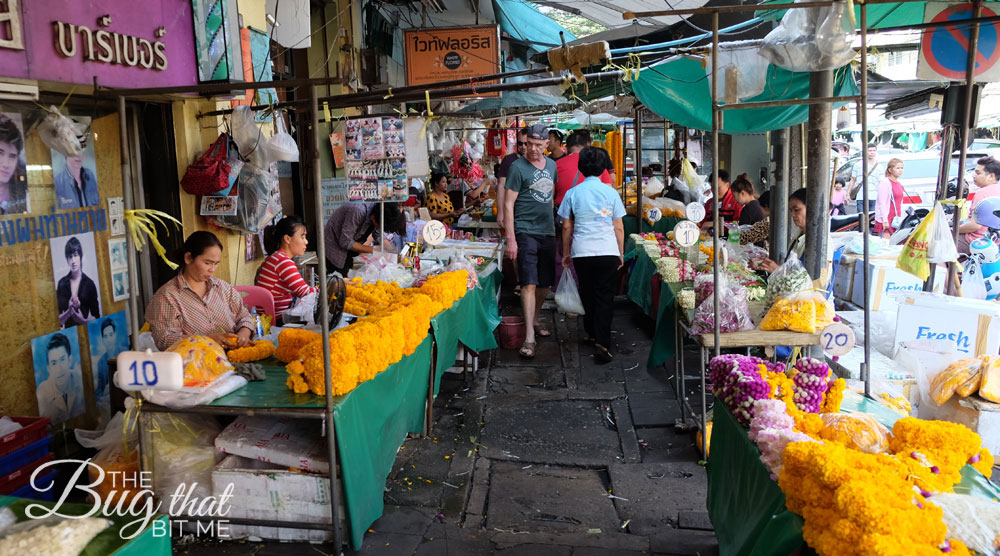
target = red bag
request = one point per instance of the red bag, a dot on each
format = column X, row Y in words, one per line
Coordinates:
column 209, row 173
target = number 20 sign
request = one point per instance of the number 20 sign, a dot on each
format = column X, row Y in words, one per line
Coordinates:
column 145, row 370
column 837, row 339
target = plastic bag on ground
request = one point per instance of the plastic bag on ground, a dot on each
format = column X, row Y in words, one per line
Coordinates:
column 942, row 246
column 184, row 453
column 118, row 455
column 567, row 296
column 811, row 39
column 859, row 431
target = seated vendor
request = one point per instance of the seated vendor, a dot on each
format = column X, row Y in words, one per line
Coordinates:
column 797, row 213
column 347, row 231
column 761, row 231
column 477, row 193
column 439, row 203
column 196, row 303
column 729, row 209
column 278, row 274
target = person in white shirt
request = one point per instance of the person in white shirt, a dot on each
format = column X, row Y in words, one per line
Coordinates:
column 870, row 181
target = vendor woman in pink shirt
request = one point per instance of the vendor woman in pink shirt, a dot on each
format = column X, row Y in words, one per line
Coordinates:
column 278, row 274
column 890, row 198
column 987, row 174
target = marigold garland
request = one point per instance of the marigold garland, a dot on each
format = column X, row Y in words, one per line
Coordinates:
column 254, row 351
column 398, row 321
column 291, row 340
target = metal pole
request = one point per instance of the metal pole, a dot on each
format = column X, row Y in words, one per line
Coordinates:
column 863, row 215
column 638, row 165
column 818, row 174
column 779, row 199
column 970, row 85
column 331, row 437
column 133, row 279
column 716, row 224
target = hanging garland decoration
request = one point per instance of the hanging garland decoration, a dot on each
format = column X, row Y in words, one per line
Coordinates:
column 142, row 226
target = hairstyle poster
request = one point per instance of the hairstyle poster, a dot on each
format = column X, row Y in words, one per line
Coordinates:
column 74, row 269
column 75, row 179
column 58, row 380
column 119, row 284
column 13, row 165
column 108, row 336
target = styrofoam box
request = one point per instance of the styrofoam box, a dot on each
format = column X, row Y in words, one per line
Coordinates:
column 843, row 281
column 966, row 322
column 265, row 491
column 288, row 442
column 887, row 282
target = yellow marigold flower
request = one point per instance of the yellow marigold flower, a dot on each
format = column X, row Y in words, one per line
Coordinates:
column 255, row 351
column 834, row 396
column 985, row 463
column 291, row 340
column 204, row 360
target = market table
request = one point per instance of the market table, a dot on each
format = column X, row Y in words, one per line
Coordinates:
column 746, row 506
column 109, row 542
column 666, row 224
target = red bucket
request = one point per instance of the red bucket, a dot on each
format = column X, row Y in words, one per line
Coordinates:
column 512, row 332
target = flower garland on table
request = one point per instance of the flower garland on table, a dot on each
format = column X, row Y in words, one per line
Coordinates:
column 291, row 340
column 255, row 351
column 362, row 350
column 363, row 299
column 673, row 269
column 860, row 489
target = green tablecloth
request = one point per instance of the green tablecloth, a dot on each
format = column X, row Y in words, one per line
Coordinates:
column 371, row 423
column 640, row 292
column 639, row 285
column 747, row 508
column 109, row 542
column 471, row 321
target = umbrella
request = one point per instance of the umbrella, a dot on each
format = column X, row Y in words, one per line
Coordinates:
column 515, row 102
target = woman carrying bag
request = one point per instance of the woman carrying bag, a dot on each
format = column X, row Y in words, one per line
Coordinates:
column 593, row 242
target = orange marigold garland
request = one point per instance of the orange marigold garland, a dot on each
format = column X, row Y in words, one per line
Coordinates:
column 204, row 360
column 254, row 351
column 291, row 340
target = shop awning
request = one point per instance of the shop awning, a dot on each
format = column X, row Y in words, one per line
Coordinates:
column 609, row 13
column 522, row 21
column 514, row 102
column 879, row 15
column 678, row 91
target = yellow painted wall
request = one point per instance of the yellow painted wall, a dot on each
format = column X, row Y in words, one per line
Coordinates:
column 254, row 12
column 28, row 303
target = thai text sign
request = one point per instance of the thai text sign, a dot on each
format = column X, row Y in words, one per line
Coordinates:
column 445, row 54
column 120, row 42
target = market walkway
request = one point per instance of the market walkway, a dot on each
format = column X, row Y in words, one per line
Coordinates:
column 557, row 456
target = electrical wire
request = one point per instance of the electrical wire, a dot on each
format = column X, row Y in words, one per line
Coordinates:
column 687, row 40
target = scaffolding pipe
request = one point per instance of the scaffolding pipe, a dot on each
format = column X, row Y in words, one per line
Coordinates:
column 863, row 215
column 818, row 174
column 970, row 85
column 779, row 199
column 324, row 315
column 637, row 167
column 716, row 224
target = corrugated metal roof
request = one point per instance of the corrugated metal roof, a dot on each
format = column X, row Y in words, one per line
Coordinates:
column 609, row 13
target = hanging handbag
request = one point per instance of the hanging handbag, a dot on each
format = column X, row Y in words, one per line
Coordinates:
column 209, row 173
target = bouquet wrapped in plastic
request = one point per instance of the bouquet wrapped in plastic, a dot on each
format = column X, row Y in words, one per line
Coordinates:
column 204, row 360
column 964, row 374
column 858, row 431
column 806, row 312
column 789, row 278
column 734, row 313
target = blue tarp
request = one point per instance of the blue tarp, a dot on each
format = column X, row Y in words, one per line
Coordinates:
column 522, row 21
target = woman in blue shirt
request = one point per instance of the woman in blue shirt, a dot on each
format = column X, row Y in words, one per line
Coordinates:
column 593, row 242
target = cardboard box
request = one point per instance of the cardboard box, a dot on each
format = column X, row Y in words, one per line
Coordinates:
column 887, row 283
column 265, row 491
column 287, row 442
column 972, row 325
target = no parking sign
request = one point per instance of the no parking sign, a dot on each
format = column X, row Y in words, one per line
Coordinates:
column 944, row 51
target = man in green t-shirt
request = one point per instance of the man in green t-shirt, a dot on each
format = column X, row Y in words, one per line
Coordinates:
column 530, row 230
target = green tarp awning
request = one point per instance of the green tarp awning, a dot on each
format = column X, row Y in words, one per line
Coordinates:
column 894, row 14
column 678, row 91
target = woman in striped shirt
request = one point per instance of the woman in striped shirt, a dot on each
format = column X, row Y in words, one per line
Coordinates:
column 278, row 274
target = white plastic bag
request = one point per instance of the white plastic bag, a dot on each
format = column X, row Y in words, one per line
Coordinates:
column 303, row 310
column 184, row 453
column 942, row 247
column 282, row 145
column 973, row 284
column 248, row 136
column 567, row 296
column 60, row 133
column 811, row 39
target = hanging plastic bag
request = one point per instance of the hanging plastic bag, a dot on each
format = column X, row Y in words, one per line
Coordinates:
column 248, row 136
column 811, row 39
column 118, row 456
column 567, row 296
column 913, row 258
column 258, row 204
column 973, row 284
column 281, row 145
column 942, row 246
column 62, row 134
column 694, row 182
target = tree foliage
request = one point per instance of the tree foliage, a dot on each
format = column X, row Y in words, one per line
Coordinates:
column 576, row 24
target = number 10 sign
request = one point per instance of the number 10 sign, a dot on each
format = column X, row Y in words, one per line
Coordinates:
column 145, row 370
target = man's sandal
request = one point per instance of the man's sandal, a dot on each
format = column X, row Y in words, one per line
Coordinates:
column 528, row 350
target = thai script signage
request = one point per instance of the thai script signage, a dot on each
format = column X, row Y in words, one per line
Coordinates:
column 445, row 54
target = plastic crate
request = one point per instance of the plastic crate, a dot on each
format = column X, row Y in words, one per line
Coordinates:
column 34, row 429
column 18, row 459
column 30, row 493
column 22, row 476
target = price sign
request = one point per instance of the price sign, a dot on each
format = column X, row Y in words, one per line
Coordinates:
column 434, row 232
column 654, row 214
column 695, row 212
column 144, row 370
column 686, row 233
column 837, row 339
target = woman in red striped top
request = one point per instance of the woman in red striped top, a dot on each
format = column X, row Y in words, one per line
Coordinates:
column 278, row 273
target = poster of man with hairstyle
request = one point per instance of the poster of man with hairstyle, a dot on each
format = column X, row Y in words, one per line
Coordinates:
column 13, row 165
column 74, row 268
column 57, row 375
